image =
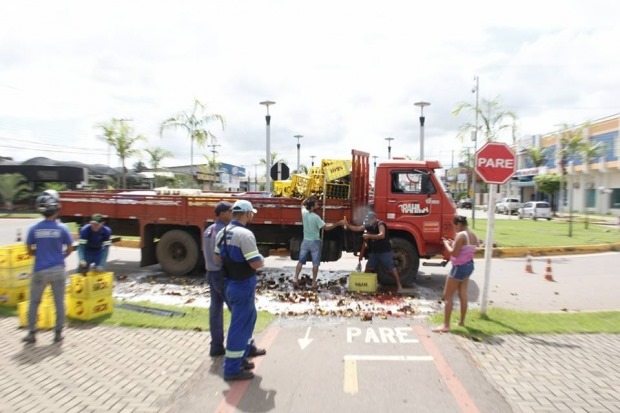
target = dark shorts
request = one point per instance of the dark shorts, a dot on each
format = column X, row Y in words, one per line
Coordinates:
column 460, row 272
column 386, row 259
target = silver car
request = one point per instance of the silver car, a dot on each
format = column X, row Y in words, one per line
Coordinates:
column 535, row 210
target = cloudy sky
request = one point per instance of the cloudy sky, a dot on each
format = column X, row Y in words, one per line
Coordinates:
column 344, row 74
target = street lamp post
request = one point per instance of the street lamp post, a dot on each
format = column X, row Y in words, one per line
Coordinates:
column 268, row 149
column 312, row 157
column 474, row 137
column 255, row 176
column 374, row 172
column 212, row 168
column 422, row 104
column 389, row 147
column 298, row 137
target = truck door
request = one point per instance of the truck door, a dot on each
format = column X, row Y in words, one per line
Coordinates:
column 415, row 201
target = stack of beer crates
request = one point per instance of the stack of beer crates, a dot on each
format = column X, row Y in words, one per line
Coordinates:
column 15, row 269
column 90, row 295
column 46, row 314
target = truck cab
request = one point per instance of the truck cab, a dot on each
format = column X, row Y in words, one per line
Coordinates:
column 414, row 204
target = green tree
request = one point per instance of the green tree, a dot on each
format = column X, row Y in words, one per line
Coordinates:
column 120, row 136
column 493, row 118
column 538, row 158
column 12, row 188
column 196, row 123
column 156, row 155
column 548, row 184
column 139, row 166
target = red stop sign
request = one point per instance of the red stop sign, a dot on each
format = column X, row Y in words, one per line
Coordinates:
column 495, row 163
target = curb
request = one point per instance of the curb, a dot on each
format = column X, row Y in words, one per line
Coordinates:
column 546, row 251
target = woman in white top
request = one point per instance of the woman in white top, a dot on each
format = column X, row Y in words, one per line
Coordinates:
column 461, row 250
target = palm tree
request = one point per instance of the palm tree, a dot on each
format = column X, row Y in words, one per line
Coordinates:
column 120, row 136
column 494, row 119
column 11, row 187
column 156, row 155
column 539, row 158
column 196, row 123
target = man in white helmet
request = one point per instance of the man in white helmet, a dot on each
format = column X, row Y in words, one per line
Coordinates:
column 50, row 242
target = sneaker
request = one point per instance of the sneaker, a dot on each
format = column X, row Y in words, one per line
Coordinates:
column 30, row 338
column 242, row 375
column 255, row 352
column 247, row 365
column 217, row 353
column 58, row 337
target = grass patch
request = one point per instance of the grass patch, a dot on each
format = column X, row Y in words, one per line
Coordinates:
column 516, row 232
column 195, row 318
column 500, row 321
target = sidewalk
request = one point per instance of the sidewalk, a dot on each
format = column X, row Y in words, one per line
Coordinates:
column 96, row 368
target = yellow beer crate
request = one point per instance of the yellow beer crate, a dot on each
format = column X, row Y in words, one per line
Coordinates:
column 300, row 185
column 46, row 315
column 363, row 282
column 283, row 188
column 48, row 296
column 87, row 309
column 18, row 276
column 93, row 284
column 15, row 255
column 10, row 297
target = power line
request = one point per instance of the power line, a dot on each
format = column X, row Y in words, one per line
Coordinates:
column 42, row 143
column 83, row 152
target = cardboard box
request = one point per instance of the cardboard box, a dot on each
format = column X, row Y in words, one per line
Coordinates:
column 87, row 309
column 94, row 284
column 363, row 282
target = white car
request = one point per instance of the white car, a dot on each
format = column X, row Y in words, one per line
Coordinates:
column 535, row 210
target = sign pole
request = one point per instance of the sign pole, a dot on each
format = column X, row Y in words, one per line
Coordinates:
column 488, row 251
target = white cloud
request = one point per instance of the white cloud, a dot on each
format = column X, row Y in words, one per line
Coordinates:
column 344, row 74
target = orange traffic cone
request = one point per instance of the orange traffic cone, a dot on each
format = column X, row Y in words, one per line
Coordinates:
column 528, row 265
column 548, row 274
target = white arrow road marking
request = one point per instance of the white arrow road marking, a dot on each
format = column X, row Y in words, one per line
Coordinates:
column 305, row 342
column 350, row 367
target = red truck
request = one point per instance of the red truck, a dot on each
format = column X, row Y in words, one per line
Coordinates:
column 407, row 196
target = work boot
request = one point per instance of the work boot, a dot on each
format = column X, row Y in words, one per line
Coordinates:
column 58, row 337
column 30, row 338
column 255, row 352
column 247, row 365
column 242, row 375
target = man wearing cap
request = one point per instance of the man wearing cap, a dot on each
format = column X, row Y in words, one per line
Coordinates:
column 94, row 244
column 223, row 213
column 236, row 249
column 376, row 237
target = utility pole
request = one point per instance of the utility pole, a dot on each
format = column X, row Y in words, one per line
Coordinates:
column 474, row 137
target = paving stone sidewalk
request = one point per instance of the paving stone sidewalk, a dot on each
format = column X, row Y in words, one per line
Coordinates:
column 553, row 373
column 96, row 368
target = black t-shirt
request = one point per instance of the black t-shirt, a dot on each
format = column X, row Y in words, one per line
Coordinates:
column 378, row 245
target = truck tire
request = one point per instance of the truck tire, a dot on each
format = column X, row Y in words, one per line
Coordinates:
column 407, row 263
column 177, row 252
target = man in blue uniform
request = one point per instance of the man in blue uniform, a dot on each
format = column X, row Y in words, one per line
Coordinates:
column 236, row 249
column 94, row 244
column 223, row 213
column 50, row 242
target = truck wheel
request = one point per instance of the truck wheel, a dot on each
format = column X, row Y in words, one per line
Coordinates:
column 407, row 262
column 177, row 252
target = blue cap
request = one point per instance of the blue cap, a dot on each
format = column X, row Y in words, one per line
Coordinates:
column 222, row 206
column 243, row 206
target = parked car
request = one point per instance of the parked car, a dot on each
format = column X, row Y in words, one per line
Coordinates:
column 535, row 210
column 464, row 203
column 508, row 206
